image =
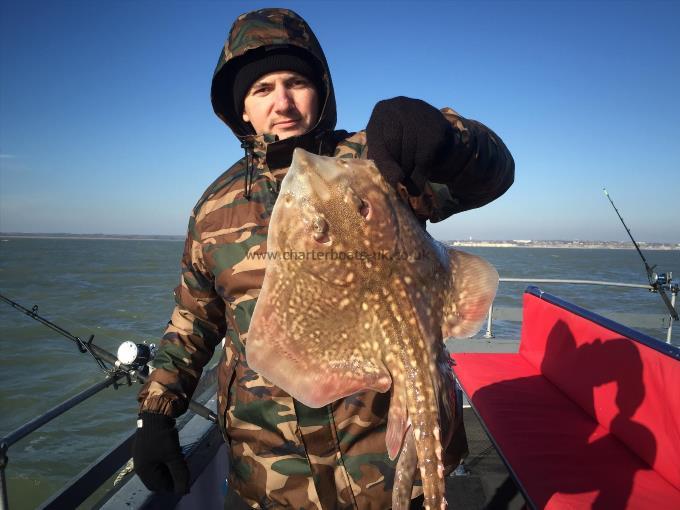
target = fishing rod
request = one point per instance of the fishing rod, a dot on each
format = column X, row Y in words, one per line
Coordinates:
column 656, row 281
column 130, row 363
column 131, row 359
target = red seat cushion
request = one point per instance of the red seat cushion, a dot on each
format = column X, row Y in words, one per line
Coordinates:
column 630, row 388
column 560, row 455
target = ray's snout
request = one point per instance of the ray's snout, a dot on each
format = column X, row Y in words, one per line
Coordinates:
column 330, row 171
column 308, row 177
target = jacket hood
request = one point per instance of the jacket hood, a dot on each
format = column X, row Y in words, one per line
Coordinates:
column 264, row 30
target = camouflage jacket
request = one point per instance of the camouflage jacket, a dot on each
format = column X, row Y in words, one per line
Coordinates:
column 283, row 453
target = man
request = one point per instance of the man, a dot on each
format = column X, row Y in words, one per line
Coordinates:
column 272, row 87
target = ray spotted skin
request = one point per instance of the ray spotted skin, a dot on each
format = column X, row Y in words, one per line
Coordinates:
column 358, row 296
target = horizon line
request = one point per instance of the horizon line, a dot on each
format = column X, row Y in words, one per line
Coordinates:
column 183, row 236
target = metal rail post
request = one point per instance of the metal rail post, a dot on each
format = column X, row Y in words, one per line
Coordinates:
column 669, row 333
column 4, row 504
column 489, row 323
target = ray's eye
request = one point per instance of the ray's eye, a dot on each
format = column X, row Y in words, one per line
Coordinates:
column 320, row 230
column 319, row 225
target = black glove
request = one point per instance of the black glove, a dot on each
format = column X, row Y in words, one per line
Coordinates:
column 410, row 142
column 157, row 455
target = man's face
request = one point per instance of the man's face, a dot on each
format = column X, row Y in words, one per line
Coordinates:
column 282, row 103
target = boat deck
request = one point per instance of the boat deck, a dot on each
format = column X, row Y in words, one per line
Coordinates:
column 482, row 345
column 487, row 483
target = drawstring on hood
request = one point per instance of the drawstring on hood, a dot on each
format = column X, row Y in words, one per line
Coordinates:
column 250, row 167
column 272, row 30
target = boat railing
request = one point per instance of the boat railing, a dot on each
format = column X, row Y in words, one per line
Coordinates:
column 36, row 423
column 515, row 314
column 79, row 489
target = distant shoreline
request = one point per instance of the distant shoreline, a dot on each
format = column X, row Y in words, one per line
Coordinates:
column 580, row 245
column 575, row 245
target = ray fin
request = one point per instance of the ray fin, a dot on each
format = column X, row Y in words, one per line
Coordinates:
column 315, row 360
column 397, row 426
column 405, row 474
column 471, row 291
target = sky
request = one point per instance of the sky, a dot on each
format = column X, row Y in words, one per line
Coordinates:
column 106, row 124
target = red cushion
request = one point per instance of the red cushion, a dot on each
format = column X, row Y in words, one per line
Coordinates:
column 561, row 456
column 629, row 388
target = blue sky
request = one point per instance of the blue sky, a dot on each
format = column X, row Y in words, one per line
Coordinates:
column 106, row 124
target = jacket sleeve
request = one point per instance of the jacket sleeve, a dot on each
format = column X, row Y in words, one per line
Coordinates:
column 482, row 168
column 197, row 326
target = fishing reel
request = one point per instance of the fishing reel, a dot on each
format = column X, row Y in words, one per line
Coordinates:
column 665, row 282
column 662, row 283
column 662, row 279
column 136, row 356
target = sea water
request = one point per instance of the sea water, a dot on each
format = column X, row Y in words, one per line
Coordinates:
column 121, row 290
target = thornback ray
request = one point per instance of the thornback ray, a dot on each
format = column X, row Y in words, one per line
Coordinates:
column 358, row 296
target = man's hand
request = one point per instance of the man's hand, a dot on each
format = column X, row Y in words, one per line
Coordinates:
column 410, row 141
column 157, row 455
